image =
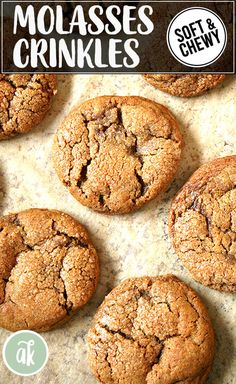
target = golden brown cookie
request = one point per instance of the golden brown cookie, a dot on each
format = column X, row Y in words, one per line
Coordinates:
column 184, row 85
column 202, row 224
column 48, row 269
column 152, row 330
column 25, row 100
column 116, row 153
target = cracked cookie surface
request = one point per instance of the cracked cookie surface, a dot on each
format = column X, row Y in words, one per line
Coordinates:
column 25, row 100
column 202, row 224
column 152, row 330
column 48, row 269
column 184, row 85
column 116, row 153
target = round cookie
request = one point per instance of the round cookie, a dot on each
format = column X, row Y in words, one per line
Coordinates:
column 152, row 330
column 48, row 269
column 116, row 153
column 202, row 223
column 25, row 100
column 184, row 85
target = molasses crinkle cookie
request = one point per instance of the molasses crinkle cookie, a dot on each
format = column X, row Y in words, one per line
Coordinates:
column 202, row 224
column 25, row 100
column 48, row 269
column 184, row 85
column 116, row 153
column 152, row 330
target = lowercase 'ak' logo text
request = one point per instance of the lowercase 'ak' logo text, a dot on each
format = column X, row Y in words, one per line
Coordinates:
column 25, row 353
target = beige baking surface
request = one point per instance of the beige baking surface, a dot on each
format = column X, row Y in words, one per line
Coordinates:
column 130, row 245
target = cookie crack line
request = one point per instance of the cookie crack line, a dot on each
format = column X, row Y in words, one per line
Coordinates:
column 78, row 242
column 195, row 203
column 58, row 232
column 110, row 136
column 48, row 269
column 202, row 227
column 186, row 85
column 84, row 171
column 158, row 339
column 196, row 206
column 29, row 247
column 68, row 305
column 129, row 337
column 145, row 340
column 28, row 95
column 10, row 82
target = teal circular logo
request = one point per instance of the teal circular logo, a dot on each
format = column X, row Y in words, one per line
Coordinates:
column 25, row 353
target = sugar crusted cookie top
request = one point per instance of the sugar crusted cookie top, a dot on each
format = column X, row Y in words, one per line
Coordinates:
column 154, row 330
column 184, row 85
column 202, row 224
column 48, row 269
column 25, row 99
column 116, row 153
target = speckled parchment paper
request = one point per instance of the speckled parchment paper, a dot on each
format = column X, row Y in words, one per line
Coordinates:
column 128, row 245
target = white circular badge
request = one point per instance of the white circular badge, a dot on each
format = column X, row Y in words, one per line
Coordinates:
column 196, row 37
column 25, row 353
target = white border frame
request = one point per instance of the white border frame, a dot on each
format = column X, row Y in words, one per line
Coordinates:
column 116, row 72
